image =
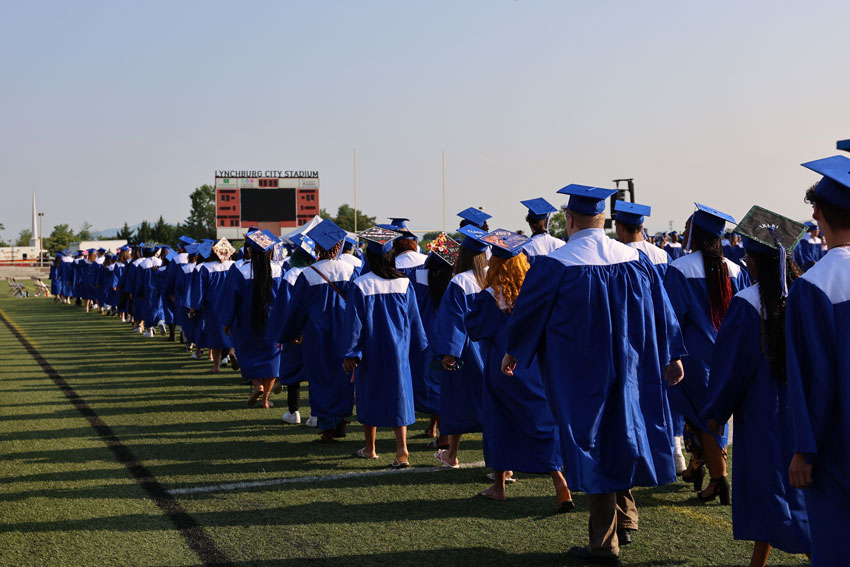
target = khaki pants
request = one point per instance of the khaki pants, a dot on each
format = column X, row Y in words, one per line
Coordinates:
column 609, row 513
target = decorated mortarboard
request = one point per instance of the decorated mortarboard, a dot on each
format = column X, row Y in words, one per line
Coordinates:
column 539, row 209
column 223, row 249
column 261, row 240
column 280, row 253
column 474, row 216
column 586, row 200
column 445, row 248
column 711, row 220
column 474, row 238
column 185, row 240
column 506, row 244
column 379, row 240
column 327, row 234
column 305, row 244
column 632, row 213
column 834, row 188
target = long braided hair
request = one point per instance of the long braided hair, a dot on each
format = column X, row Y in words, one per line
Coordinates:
column 773, row 307
column 261, row 266
column 716, row 272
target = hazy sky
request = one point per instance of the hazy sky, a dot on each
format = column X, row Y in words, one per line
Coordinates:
column 116, row 110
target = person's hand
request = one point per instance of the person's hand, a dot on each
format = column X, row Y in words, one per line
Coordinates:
column 349, row 364
column 508, row 365
column 192, row 313
column 714, row 426
column 674, row 372
column 227, row 330
column 800, row 472
column 449, row 361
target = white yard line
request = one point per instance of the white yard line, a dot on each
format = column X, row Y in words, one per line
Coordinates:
column 313, row 478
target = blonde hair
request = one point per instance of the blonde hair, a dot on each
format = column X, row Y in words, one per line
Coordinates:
column 505, row 276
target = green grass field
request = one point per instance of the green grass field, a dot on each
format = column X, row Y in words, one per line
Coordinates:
column 66, row 499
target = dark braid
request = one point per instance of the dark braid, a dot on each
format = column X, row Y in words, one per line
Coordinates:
column 439, row 276
column 716, row 273
column 261, row 266
column 773, row 308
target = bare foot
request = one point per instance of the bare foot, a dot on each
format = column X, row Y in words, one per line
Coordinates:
column 495, row 492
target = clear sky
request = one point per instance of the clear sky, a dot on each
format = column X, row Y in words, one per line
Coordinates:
column 116, row 110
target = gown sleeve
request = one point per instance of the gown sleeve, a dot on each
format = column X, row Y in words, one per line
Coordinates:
column 527, row 328
column 671, row 345
column 811, row 355
column 676, row 286
column 451, row 331
column 296, row 313
column 356, row 315
column 196, row 290
column 735, row 360
column 235, row 291
column 418, row 338
column 480, row 321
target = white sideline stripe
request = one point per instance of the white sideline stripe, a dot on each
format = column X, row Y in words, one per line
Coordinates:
column 314, row 478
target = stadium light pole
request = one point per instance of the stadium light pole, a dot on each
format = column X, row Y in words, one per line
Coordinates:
column 40, row 240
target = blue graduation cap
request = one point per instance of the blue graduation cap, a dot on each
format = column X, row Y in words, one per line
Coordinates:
column 327, row 234
column 171, row 255
column 101, row 250
column 810, row 226
column 474, row 238
column 349, row 242
column 538, row 209
column 261, row 240
column 204, row 249
column 631, row 213
column 506, row 244
column 192, row 248
column 834, row 188
column 586, row 200
column 711, row 220
column 474, row 216
column 379, row 239
column 305, row 244
column 398, row 224
column 185, row 240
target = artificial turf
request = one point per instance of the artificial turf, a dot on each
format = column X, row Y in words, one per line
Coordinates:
column 65, row 499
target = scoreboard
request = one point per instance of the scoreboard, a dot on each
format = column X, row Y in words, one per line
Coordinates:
column 274, row 200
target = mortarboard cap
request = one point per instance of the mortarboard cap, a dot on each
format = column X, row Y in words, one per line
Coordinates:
column 586, row 200
column 305, row 244
column 350, row 242
column 631, row 213
column 398, row 224
column 192, row 248
column 539, row 209
column 810, row 226
column 474, row 216
column 223, row 249
column 171, row 255
column 326, row 234
column 261, row 240
column 101, row 250
column 185, row 240
column 764, row 231
column 834, row 188
column 205, row 250
column 506, row 244
column 473, row 240
column 711, row 220
column 445, row 248
column 379, row 239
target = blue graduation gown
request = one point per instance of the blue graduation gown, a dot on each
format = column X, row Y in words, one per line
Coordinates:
column 161, row 299
column 259, row 355
column 384, row 331
column 208, row 287
column 674, row 250
column 146, row 296
column 596, row 316
column 66, row 275
column 817, row 319
column 408, row 262
column 657, row 257
column 460, row 390
column 317, row 311
column 292, row 355
column 427, row 371
column 354, row 261
column 686, row 287
column 808, row 251
column 116, row 274
column 190, row 326
column 541, row 244
column 765, row 507
column 520, row 433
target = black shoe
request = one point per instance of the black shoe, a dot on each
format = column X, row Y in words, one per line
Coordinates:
column 587, row 556
column 721, row 489
column 625, row 536
column 566, row 506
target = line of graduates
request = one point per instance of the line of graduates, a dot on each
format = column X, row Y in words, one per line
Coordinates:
column 592, row 360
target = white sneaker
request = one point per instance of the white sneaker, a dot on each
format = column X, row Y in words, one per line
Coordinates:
column 149, row 333
column 312, row 421
column 678, row 457
column 195, row 355
column 225, row 361
column 293, row 418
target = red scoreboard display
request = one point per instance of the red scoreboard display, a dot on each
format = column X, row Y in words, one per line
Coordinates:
column 268, row 199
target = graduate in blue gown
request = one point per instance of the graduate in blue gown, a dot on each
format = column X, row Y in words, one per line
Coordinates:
column 145, row 295
column 430, row 283
column 208, row 286
column 161, row 276
column 817, row 320
column 673, row 247
column 246, row 316
column 748, row 378
column 460, row 389
column 349, row 249
column 520, row 433
column 405, row 250
column 810, row 249
column 629, row 226
column 700, row 303
column 316, row 312
column 541, row 242
column 292, row 372
column 189, row 324
column 384, row 333
column 595, row 316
